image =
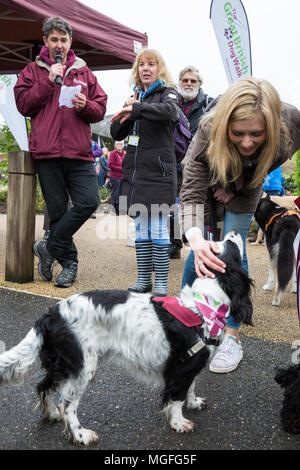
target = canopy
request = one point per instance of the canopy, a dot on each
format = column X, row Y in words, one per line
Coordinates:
column 102, row 42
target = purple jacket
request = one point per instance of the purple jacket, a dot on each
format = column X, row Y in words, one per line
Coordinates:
column 59, row 131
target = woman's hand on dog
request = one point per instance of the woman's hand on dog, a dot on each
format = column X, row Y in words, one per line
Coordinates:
column 204, row 256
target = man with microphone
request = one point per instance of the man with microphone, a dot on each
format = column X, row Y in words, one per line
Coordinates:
column 62, row 97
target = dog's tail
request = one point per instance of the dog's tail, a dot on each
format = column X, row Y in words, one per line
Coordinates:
column 15, row 362
column 285, row 260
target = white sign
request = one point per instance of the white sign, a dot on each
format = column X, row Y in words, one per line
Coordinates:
column 232, row 30
column 15, row 121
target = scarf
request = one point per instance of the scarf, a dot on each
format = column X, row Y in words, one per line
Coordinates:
column 142, row 93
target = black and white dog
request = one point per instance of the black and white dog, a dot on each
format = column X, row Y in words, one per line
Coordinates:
column 280, row 227
column 134, row 331
column 289, row 380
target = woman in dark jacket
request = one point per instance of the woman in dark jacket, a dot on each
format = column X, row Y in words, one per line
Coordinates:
column 149, row 167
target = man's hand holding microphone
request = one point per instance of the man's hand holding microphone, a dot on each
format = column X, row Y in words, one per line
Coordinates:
column 57, row 70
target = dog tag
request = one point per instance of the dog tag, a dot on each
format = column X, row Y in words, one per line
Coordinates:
column 196, row 348
column 133, row 140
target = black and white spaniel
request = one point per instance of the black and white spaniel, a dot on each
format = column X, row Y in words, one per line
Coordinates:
column 138, row 333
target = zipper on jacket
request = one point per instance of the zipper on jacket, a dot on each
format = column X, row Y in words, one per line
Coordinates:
column 135, row 158
column 136, row 132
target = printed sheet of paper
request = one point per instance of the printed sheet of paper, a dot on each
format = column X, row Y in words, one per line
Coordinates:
column 67, row 94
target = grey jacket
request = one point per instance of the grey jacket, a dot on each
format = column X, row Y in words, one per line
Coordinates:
column 196, row 177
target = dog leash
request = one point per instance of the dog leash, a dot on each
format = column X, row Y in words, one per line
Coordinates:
column 213, row 226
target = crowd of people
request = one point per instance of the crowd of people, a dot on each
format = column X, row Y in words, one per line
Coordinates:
column 238, row 138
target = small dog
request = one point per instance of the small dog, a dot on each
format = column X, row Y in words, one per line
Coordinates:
column 284, row 201
column 280, row 228
column 137, row 333
column 289, row 379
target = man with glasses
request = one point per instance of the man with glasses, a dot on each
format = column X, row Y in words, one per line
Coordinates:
column 194, row 101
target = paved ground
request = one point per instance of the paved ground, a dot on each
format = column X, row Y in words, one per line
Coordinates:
column 243, row 407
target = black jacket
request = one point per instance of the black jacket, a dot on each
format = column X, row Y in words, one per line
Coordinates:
column 149, row 170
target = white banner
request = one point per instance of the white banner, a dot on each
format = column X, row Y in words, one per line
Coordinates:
column 8, row 109
column 232, row 30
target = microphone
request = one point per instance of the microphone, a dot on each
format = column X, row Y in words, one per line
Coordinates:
column 58, row 60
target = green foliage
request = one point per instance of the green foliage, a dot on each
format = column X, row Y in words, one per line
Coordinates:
column 3, row 172
column 297, row 173
column 104, row 193
column 7, row 140
column 3, row 195
column 289, row 184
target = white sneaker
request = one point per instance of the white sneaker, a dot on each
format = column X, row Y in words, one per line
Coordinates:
column 227, row 357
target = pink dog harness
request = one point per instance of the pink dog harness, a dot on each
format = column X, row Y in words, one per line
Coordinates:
column 214, row 313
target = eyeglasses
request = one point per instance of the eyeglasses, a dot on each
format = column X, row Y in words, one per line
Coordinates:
column 186, row 80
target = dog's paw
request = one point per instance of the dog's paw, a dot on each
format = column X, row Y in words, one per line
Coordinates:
column 181, row 425
column 268, row 286
column 196, row 403
column 276, row 302
column 85, row 437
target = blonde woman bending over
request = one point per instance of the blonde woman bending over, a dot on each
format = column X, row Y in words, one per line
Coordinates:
column 249, row 133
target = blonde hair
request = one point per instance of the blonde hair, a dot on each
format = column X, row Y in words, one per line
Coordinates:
column 244, row 100
column 163, row 73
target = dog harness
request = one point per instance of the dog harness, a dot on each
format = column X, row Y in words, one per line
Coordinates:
column 210, row 311
column 284, row 214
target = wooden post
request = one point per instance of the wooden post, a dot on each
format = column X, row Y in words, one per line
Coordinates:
column 20, row 226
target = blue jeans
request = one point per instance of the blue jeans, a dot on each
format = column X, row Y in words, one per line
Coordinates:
column 238, row 222
column 150, row 227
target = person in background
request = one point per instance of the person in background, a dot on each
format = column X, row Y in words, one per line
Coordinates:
column 274, row 183
column 115, row 173
column 149, row 167
column 193, row 102
column 103, row 168
column 60, row 143
column 245, row 136
column 97, row 152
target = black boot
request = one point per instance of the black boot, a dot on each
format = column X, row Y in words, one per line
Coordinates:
column 45, row 265
column 67, row 275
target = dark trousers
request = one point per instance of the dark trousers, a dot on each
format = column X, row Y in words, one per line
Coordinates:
column 60, row 178
column 115, row 192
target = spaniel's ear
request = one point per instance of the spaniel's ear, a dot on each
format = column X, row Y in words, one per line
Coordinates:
column 237, row 285
column 241, row 306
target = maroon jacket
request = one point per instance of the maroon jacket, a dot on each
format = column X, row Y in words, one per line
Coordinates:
column 59, row 131
column 115, row 163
